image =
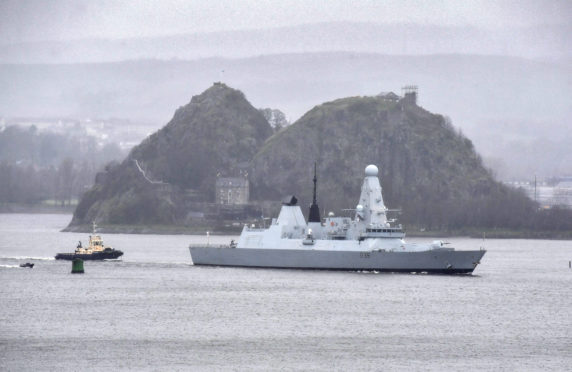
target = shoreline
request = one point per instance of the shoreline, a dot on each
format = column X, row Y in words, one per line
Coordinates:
column 36, row 209
column 227, row 227
column 231, row 230
column 154, row 229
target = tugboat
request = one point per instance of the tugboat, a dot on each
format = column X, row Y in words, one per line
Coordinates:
column 370, row 241
column 95, row 251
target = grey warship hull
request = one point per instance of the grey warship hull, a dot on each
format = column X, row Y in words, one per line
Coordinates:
column 367, row 242
column 433, row 261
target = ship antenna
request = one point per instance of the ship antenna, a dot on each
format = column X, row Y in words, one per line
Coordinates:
column 314, row 209
column 94, row 227
column 314, row 201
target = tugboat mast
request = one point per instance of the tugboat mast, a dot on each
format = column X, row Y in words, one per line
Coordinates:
column 314, row 209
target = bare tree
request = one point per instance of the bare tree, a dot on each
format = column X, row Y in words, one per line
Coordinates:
column 66, row 177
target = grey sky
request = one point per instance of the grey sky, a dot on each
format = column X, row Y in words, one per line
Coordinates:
column 38, row 20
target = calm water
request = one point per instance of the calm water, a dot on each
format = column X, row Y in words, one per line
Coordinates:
column 154, row 311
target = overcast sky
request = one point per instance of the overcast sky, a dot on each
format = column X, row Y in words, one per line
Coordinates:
column 38, row 20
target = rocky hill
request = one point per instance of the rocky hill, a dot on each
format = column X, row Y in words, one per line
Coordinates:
column 428, row 169
column 216, row 133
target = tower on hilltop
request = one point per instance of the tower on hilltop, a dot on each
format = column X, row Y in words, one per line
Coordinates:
column 410, row 94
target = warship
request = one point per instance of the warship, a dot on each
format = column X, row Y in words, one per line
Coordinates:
column 96, row 250
column 370, row 241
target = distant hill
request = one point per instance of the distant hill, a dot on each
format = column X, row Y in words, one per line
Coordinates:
column 546, row 42
column 472, row 89
column 212, row 135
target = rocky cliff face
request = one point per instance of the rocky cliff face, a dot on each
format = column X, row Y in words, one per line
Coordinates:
column 216, row 133
column 426, row 168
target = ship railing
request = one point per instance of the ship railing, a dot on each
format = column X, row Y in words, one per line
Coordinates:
column 209, row 245
column 391, row 234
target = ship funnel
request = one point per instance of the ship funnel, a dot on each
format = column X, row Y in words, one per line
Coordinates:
column 290, row 201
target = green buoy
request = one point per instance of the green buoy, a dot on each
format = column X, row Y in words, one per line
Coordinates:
column 77, row 266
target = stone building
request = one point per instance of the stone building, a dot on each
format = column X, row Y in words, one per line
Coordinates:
column 389, row 96
column 232, row 191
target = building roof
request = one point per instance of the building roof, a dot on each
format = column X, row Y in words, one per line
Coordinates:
column 388, row 95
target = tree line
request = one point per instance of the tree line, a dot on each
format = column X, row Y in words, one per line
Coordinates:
column 36, row 166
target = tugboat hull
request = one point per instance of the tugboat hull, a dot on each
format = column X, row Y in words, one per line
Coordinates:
column 93, row 256
column 432, row 261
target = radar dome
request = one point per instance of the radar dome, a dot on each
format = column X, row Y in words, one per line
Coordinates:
column 371, row 170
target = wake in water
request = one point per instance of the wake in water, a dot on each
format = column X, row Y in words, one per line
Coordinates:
column 12, row 266
column 157, row 264
column 27, row 258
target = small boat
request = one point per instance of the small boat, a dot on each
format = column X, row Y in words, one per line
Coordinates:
column 27, row 264
column 95, row 251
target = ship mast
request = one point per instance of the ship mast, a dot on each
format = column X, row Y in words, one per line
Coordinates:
column 314, row 209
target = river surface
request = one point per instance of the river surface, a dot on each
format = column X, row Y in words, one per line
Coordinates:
column 153, row 310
